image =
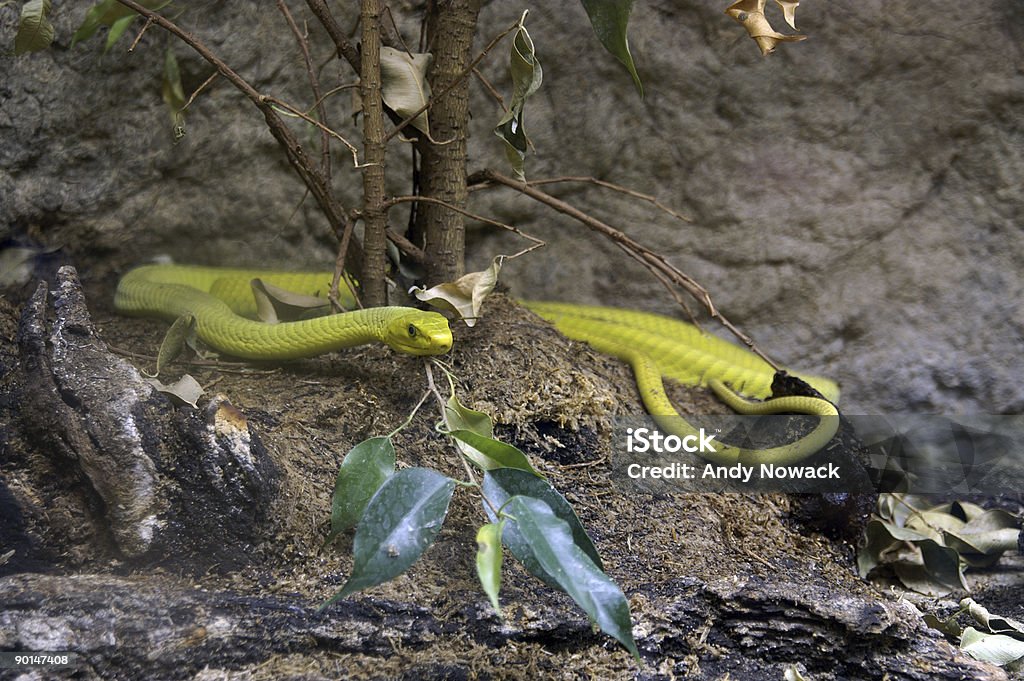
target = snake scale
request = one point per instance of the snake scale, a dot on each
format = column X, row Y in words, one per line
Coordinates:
column 222, row 304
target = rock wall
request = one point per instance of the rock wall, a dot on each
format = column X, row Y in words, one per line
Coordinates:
column 856, row 198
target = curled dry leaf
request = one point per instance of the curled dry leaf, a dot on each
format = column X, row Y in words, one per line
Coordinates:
column 186, row 390
column 750, row 14
column 789, row 11
column 275, row 304
column 464, row 296
column 527, row 76
column 404, row 86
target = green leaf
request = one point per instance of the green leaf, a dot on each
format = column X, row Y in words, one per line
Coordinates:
column 610, row 19
column 362, row 472
column 502, row 484
column 527, row 76
column 110, row 13
column 488, row 561
column 404, row 86
column 174, row 93
column 490, row 454
column 35, row 32
column 459, row 417
column 117, row 30
column 401, row 521
column 554, row 547
column 105, row 13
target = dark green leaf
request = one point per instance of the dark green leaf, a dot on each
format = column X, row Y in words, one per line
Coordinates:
column 35, row 32
column 610, row 19
column 362, row 472
column 502, row 484
column 490, row 454
column 400, row 522
column 555, row 548
column 488, row 561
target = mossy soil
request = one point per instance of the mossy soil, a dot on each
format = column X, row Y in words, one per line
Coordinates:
column 555, row 400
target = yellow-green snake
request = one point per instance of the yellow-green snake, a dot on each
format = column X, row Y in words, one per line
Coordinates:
column 657, row 346
column 223, row 306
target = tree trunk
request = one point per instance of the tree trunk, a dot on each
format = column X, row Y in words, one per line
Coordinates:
column 450, row 29
column 374, row 291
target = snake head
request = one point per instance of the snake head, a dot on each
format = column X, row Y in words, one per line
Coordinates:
column 419, row 333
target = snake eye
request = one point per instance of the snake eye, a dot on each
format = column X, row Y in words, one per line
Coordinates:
column 412, row 331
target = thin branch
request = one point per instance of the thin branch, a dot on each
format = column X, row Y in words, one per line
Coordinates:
column 339, row 264
column 345, row 49
column 491, row 89
column 474, row 216
column 462, row 76
column 392, row 32
column 291, row 110
column 414, row 252
column 670, row 275
column 614, row 187
column 191, row 98
column 135, row 43
column 332, row 208
column 332, row 91
column 302, row 39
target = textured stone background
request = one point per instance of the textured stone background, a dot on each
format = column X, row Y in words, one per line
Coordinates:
column 856, row 197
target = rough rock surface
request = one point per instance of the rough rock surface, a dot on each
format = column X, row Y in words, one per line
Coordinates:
column 856, row 197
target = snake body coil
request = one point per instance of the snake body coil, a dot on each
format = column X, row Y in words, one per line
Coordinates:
column 221, row 302
column 657, row 346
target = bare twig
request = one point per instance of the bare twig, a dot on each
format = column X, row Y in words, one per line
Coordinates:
column 414, row 252
column 469, row 214
column 195, row 93
column 288, row 109
column 614, row 187
column 468, row 70
column 490, row 89
column 339, row 264
column 668, row 274
column 345, row 49
column 300, row 162
column 392, row 34
column 302, row 38
column 145, row 27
